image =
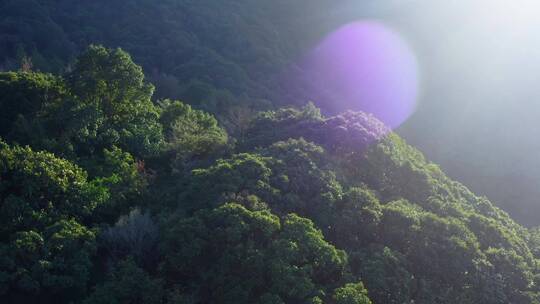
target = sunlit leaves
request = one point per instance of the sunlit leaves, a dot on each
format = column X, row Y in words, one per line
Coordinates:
column 191, row 134
column 351, row 294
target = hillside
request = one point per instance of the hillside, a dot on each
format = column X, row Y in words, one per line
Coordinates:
column 235, row 58
column 111, row 195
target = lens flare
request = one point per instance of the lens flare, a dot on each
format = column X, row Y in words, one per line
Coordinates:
column 368, row 67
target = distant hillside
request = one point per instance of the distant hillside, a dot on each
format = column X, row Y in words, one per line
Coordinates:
column 202, row 51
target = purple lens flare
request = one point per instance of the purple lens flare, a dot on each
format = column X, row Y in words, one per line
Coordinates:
column 365, row 66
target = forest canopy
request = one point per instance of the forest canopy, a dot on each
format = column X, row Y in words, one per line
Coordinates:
column 182, row 168
column 111, row 195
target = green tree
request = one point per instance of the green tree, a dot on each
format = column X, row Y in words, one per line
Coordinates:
column 124, row 177
column 23, row 96
column 103, row 102
column 38, row 189
column 128, row 284
column 352, row 293
column 241, row 175
column 306, row 186
column 53, row 264
column 233, row 255
column 357, row 218
column 385, row 273
column 46, row 251
column 111, row 84
column 191, row 134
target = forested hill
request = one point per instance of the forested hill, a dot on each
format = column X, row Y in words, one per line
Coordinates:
column 109, row 195
column 234, row 58
column 193, row 173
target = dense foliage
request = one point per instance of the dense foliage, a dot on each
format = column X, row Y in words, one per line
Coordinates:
column 234, row 58
column 107, row 196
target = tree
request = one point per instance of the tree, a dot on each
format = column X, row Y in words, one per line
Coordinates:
column 52, row 264
column 38, row 189
column 23, row 96
column 103, row 102
column 384, row 272
column 357, row 218
column 125, row 179
column 46, row 251
column 233, row 255
column 352, row 293
column 128, row 284
column 241, row 175
column 113, row 85
column 305, row 185
column 191, row 134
